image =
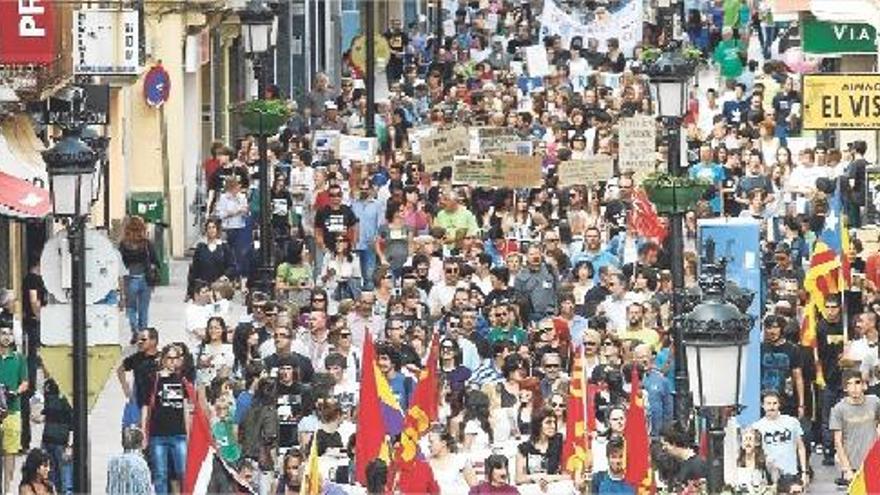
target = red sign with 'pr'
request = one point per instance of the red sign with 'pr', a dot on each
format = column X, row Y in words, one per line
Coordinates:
column 26, row 32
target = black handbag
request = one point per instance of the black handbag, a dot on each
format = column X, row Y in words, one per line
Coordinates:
column 152, row 272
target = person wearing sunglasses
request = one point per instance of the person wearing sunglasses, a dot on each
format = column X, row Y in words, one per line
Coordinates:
column 142, row 364
column 442, row 292
column 333, row 222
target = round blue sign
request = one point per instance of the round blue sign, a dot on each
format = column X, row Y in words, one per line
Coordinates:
column 157, row 86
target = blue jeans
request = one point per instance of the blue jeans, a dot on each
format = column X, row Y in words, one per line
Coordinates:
column 367, row 258
column 137, row 303
column 242, row 243
column 829, row 397
column 61, row 474
column 160, row 449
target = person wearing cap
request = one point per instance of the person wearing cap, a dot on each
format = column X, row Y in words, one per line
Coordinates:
column 330, row 119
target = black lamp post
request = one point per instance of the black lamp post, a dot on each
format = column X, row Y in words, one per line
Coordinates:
column 99, row 144
column 670, row 75
column 716, row 334
column 258, row 22
column 71, row 167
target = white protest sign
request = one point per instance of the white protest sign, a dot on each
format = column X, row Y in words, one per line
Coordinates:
column 358, row 148
column 536, row 61
column 638, row 137
column 489, row 140
column 325, row 140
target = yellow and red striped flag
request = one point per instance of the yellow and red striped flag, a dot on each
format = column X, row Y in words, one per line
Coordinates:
column 576, row 450
column 822, row 279
column 867, row 479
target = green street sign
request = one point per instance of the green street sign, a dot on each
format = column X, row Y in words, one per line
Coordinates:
column 820, row 37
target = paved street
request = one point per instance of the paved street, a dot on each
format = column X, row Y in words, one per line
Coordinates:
column 167, row 316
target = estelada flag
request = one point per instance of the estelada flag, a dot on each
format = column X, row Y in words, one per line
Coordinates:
column 575, row 450
column 867, row 480
column 822, row 279
column 424, row 408
column 638, row 446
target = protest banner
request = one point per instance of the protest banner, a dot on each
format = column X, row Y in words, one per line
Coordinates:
column 415, row 136
column 362, row 149
column 841, row 101
column 439, row 150
column 638, row 137
column 587, row 170
column 491, row 140
column 625, row 24
column 326, row 140
column 522, row 148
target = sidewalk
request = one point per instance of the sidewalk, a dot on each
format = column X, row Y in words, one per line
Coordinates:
column 167, row 315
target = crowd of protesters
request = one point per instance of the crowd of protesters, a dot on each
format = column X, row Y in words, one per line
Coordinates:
column 513, row 282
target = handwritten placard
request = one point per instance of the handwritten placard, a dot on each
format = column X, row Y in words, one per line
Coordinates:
column 440, row 149
column 638, row 136
column 587, row 170
column 358, row 148
column 476, row 172
column 491, row 140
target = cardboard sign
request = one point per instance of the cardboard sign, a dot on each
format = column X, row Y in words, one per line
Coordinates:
column 587, row 170
column 536, row 61
column 491, row 140
column 841, row 101
column 439, row 149
column 362, row 149
column 512, row 171
column 638, row 136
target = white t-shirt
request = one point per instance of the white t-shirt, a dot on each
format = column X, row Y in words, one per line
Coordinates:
column 779, row 438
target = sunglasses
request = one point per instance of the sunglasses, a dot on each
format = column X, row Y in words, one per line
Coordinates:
column 558, row 404
column 344, row 335
column 590, row 343
column 335, row 195
column 551, row 365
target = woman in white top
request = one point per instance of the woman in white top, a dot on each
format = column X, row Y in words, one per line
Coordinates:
column 341, row 274
column 232, row 209
column 214, row 356
column 452, row 471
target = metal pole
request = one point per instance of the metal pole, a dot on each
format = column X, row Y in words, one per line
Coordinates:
column 438, row 29
column 715, row 425
column 370, row 80
column 76, row 240
column 105, row 170
column 266, row 264
column 676, row 246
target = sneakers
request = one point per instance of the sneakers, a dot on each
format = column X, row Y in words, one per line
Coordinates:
column 841, row 481
column 828, row 460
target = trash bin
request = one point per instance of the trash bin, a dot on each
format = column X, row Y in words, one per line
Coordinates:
column 151, row 207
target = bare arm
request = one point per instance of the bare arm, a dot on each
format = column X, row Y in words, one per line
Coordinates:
column 35, row 303
column 798, row 375
column 123, row 380
column 842, row 458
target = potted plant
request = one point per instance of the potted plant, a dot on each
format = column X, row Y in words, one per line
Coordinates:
column 263, row 116
column 674, row 194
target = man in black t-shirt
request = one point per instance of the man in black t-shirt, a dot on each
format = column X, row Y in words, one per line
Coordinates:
column 335, row 221
column 284, row 353
column 397, row 41
column 291, row 399
column 781, row 367
column 829, row 341
column 142, row 365
column 34, row 300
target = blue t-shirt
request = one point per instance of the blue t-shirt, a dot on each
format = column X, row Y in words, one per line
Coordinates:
column 713, row 173
column 604, row 483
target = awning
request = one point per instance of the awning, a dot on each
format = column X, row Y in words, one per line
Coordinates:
column 20, row 149
column 22, row 199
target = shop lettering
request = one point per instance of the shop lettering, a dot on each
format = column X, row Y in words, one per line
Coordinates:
column 27, row 22
column 859, row 106
column 852, row 33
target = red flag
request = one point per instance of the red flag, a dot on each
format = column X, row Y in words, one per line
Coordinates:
column 643, row 218
column 576, row 446
column 424, row 408
column 592, row 391
column 638, row 447
column 370, row 434
column 199, row 457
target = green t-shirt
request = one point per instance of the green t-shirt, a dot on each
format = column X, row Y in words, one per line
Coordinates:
column 13, row 372
column 229, row 449
column 462, row 218
column 293, row 274
column 727, row 55
column 516, row 335
column 731, row 13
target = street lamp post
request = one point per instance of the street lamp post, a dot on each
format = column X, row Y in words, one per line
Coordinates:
column 370, row 76
column 669, row 76
column 716, row 334
column 99, row 144
column 71, row 165
column 257, row 27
